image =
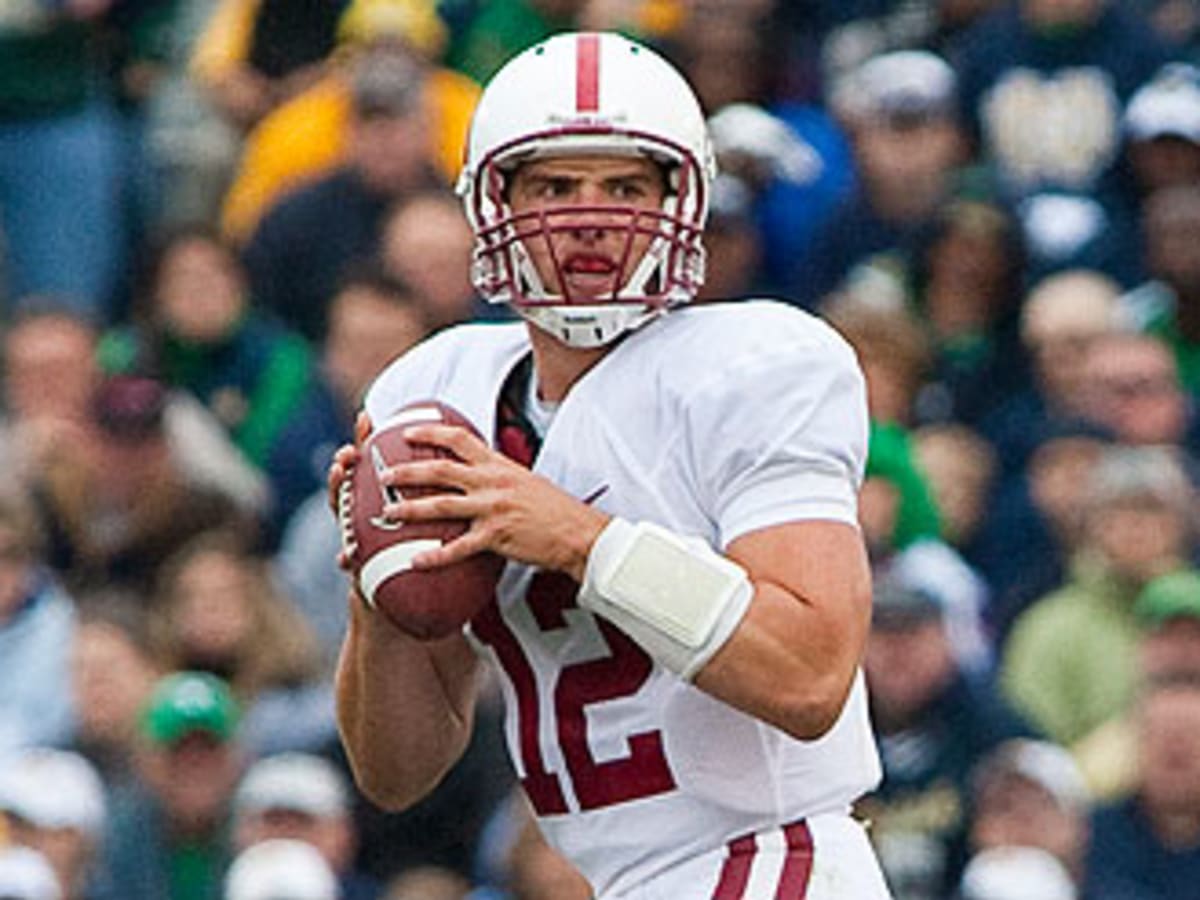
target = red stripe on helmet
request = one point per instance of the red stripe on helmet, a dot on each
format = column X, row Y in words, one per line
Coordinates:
column 587, row 73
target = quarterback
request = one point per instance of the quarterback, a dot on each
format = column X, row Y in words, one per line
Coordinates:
column 679, row 624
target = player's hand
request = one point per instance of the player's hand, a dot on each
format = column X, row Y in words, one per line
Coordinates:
column 512, row 511
column 345, row 458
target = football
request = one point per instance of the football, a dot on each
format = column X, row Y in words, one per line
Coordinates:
column 427, row 604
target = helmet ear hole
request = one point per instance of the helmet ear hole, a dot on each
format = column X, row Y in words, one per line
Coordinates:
column 672, row 177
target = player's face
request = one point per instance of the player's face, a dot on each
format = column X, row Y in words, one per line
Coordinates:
column 591, row 251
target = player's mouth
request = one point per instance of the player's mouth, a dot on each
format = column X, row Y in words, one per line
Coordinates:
column 590, row 265
column 590, row 275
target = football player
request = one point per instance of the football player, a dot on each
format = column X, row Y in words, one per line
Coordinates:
column 683, row 612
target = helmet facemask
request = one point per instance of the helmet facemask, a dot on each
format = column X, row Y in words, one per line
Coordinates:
column 667, row 273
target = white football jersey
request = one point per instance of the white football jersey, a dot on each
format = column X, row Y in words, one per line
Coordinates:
column 713, row 421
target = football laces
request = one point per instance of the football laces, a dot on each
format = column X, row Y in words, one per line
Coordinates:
column 346, row 518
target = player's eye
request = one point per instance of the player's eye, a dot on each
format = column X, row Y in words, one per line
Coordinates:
column 627, row 190
column 555, row 188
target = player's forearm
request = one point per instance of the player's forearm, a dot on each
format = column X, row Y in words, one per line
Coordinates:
column 775, row 627
column 404, row 708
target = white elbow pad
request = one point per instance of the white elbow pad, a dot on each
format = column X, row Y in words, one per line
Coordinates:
column 677, row 597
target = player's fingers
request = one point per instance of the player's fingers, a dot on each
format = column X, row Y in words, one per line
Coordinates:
column 467, row 544
column 344, row 460
column 362, row 427
column 458, row 441
column 333, row 485
column 443, row 473
column 433, row 507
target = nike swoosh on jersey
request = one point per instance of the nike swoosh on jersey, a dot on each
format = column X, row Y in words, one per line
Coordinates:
column 596, row 494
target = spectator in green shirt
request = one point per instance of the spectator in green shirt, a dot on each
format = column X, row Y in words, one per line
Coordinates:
column 1070, row 661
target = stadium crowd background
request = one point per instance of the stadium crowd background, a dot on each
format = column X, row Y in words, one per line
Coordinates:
column 221, row 218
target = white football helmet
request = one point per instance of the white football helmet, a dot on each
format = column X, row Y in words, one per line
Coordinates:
column 588, row 94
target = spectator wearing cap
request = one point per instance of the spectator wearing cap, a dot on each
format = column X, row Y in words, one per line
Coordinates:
column 1148, row 844
column 1161, row 125
column 1160, row 150
column 1168, row 615
column 26, row 875
column 1030, row 793
column 302, row 797
column 1016, row 873
column 1070, row 660
column 934, row 721
column 168, row 835
column 900, row 112
column 55, row 804
column 1168, row 610
column 307, row 240
column 130, row 481
column 281, row 869
column 311, row 134
column 1043, row 84
column 37, row 625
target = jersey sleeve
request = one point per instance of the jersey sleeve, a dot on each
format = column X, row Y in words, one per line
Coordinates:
column 417, row 374
column 781, row 435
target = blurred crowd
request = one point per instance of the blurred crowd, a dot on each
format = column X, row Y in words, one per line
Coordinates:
column 220, row 219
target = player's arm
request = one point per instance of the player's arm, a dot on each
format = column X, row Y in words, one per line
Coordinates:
column 792, row 658
column 775, row 626
column 405, row 708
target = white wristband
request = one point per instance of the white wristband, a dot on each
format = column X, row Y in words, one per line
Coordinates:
column 677, row 597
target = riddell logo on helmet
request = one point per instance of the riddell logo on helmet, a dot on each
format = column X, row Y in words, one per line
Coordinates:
column 583, row 121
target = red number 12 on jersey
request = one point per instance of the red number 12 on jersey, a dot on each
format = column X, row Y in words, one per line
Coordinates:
column 642, row 772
